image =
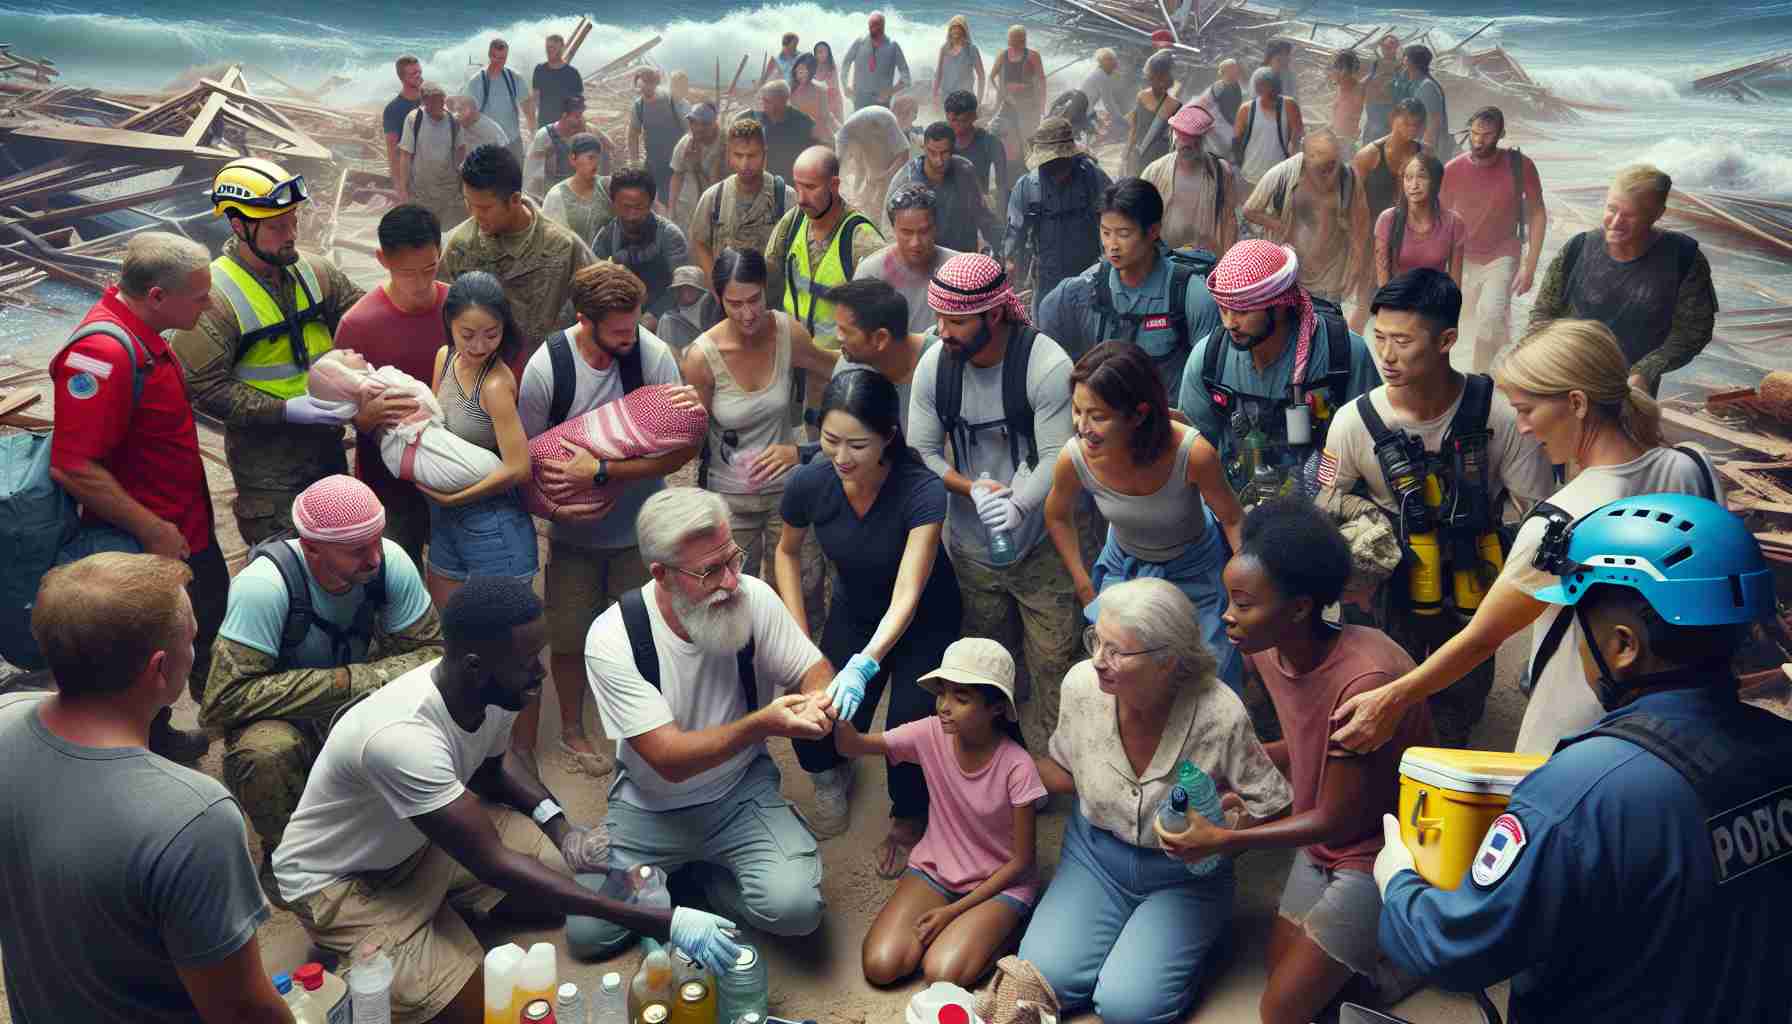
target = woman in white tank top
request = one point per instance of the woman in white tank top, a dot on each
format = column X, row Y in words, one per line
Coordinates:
column 1569, row 383
column 1159, row 484
column 741, row 369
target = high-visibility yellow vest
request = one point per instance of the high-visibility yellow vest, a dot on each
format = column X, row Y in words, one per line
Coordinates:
column 801, row 284
column 269, row 359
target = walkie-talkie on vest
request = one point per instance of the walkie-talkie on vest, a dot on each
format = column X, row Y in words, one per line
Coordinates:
column 1418, row 493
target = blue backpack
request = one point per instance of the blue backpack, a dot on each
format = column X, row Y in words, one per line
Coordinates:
column 37, row 517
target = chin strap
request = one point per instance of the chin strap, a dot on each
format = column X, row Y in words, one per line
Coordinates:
column 1611, row 692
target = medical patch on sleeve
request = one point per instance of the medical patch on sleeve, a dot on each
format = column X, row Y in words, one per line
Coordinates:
column 82, row 385
column 87, row 364
column 1499, row 850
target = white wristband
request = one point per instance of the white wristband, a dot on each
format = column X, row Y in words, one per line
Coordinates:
column 545, row 811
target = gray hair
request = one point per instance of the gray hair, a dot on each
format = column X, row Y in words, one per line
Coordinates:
column 1228, row 63
column 157, row 259
column 1158, row 614
column 673, row 516
column 1105, row 53
column 775, row 86
column 1267, row 74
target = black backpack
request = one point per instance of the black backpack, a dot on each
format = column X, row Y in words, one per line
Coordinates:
column 849, row 262
column 485, row 88
column 647, row 657
column 416, row 120
column 1516, row 159
column 1250, row 126
column 1337, row 372
column 560, row 357
column 1557, row 523
column 1185, row 266
column 715, row 211
column 301, row 617
column 1017, row 409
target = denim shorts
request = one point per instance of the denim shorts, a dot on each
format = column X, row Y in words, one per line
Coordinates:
column 494, row 537
column 933, row 883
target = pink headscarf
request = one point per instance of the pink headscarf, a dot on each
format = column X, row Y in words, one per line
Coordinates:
column 1192, row 120
column 1259, row 274
column 972, row 283
column 338, row 510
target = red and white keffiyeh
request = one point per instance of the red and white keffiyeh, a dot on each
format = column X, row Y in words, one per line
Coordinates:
column 1259, row 274
column 643, row 423
column 338, row 510
column 972, row 283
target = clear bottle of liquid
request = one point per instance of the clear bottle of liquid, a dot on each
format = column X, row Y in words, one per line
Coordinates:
column 502, row 966
column 744, row 988
column 1264, row 482
column 609, row 1003
column 569, row 1005
column 1001, row 543
column 293, row 996
column 1203, row 799
column 370, row 985
column 652, row 984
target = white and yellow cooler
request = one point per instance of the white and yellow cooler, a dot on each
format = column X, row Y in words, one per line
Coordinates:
column 1448, row 798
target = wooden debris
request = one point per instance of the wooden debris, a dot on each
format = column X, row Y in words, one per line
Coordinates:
column 1742, row 83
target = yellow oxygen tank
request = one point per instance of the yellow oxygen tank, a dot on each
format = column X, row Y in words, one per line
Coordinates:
column 1425, row 579
column 1471, row 582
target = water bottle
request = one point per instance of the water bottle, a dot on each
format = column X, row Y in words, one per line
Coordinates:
column 370, row 985
column 610, row 1003
column 291, row 994
column 1203, row 799
column 569, row 1004
column 744, row 988
column 1001, row 543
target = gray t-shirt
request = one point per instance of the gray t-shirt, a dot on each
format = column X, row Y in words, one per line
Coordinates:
column 904, row 390
column 886, row 266
column 118, row 867
column 1048, row 389
column 432, row 155
column 594, row 388
column 500, row 99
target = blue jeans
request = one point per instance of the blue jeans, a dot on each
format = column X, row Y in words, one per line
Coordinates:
column 494, row 537
column 1126, row 930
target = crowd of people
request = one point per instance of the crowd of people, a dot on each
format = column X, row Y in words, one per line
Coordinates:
column 1092, row 477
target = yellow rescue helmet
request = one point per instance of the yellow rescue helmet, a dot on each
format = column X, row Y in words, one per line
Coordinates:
column 256, row 188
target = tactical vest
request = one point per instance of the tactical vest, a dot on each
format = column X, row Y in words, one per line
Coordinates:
column 274, row 351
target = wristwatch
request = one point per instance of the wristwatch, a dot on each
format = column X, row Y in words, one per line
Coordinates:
column 544, row 812
column 602, row 476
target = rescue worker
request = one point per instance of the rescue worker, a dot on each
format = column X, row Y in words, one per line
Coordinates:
column 1053, row 227
column 273, row 311
column 1644, row 871
column 311, row 625
column 1429, row 421
column 835, row 238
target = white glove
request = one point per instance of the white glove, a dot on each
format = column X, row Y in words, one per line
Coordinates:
column 707, row 938
column 586, row 850
column 1394, row 856
column 997, row 510
column 309, row 411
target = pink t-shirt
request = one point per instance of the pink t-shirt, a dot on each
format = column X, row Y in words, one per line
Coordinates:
column 970, row 817
column 1488, row 203
column 1435, row 248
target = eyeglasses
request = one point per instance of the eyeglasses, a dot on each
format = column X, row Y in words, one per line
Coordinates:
column 1106, row 654
column 734, row 564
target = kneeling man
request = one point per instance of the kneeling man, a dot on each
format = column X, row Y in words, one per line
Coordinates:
column 417, row 812
column 687, row 672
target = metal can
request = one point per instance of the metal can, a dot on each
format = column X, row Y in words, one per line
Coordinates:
column 539, row 1011
column 653, row 1013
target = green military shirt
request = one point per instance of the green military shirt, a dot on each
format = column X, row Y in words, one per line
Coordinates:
column 535, row 265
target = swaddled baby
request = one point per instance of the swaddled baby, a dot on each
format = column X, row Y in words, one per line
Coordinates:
column 419, row 448
column 647, row 422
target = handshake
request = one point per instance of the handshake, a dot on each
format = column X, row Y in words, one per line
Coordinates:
column 811, row 716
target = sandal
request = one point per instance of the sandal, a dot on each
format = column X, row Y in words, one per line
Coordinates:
column 593, row 763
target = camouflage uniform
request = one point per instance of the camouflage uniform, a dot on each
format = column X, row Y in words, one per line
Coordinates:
column 271, row 460
column 274, row 721
column 535, row 265
column 1051, row 627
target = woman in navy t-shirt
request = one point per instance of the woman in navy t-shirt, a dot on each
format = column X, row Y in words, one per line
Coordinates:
column 878, row 513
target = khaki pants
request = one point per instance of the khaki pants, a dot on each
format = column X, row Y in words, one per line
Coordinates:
column 580, row 583
column 757, row 526
column 1486, row 323
column 414, row 912
column 1037, row 591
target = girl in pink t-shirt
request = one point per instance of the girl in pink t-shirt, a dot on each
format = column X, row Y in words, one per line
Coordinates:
column 970, row 880
column 1417, row 231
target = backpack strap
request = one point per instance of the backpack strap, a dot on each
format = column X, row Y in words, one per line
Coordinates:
column 1102, row 302
column 302, row 617
column 1337, row 352
column 1017, row 408
column 639, row 629
column 847, row 261
column 1516, row 160
column 565, row 382
column 1557, row 523
column 140, row 368
column 1710, row 488
column 778, row 187
column 630, row 365
column 948, row 394
column 1181, row 273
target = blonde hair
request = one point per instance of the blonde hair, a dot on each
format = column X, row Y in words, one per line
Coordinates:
column 1581, row 355
column 1022, row 29
column 1644, row 179
column 99, row 620
column 961, row 23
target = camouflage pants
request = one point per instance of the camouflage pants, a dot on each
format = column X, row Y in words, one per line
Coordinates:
column 1036, row 591
column 265, row 767
column 261, row 514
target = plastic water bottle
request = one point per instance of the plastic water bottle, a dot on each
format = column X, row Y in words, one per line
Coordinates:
column 370, row 985
column 609, row 1005
column 1001, row 543
column 292, row 995
column 743, row 989
column 569, row 1004
column 1203, row 799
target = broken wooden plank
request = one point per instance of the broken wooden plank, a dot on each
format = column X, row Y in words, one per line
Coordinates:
column 144, row 146
column 1704, row 428
column 18, row 401
column 623, row 61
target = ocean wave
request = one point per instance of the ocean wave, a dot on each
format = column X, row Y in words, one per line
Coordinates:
column 1724, row 167
column 1610, row 85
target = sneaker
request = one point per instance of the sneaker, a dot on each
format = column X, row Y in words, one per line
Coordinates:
column 832, row 806
column 185, row 746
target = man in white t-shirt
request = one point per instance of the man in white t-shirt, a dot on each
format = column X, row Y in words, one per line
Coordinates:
column 416, row 814
column 1417, row 409
column 669, row 666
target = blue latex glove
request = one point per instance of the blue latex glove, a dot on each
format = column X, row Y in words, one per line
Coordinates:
column 707, row 938
column 311, row 412
column 847, row 691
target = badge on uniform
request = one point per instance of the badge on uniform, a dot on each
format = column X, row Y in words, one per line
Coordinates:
column 1156, row 322
column 1499, row 850
column 83, row 385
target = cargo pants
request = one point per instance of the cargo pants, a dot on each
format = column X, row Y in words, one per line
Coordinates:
column 1038, row 592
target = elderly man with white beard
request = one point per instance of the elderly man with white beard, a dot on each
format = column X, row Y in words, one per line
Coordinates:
column 692, row 674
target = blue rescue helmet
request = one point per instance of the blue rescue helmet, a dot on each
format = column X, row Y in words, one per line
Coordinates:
column 1693, row 560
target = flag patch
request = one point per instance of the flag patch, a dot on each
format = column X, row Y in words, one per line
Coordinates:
column 1328, row 469
column 1499, row 850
